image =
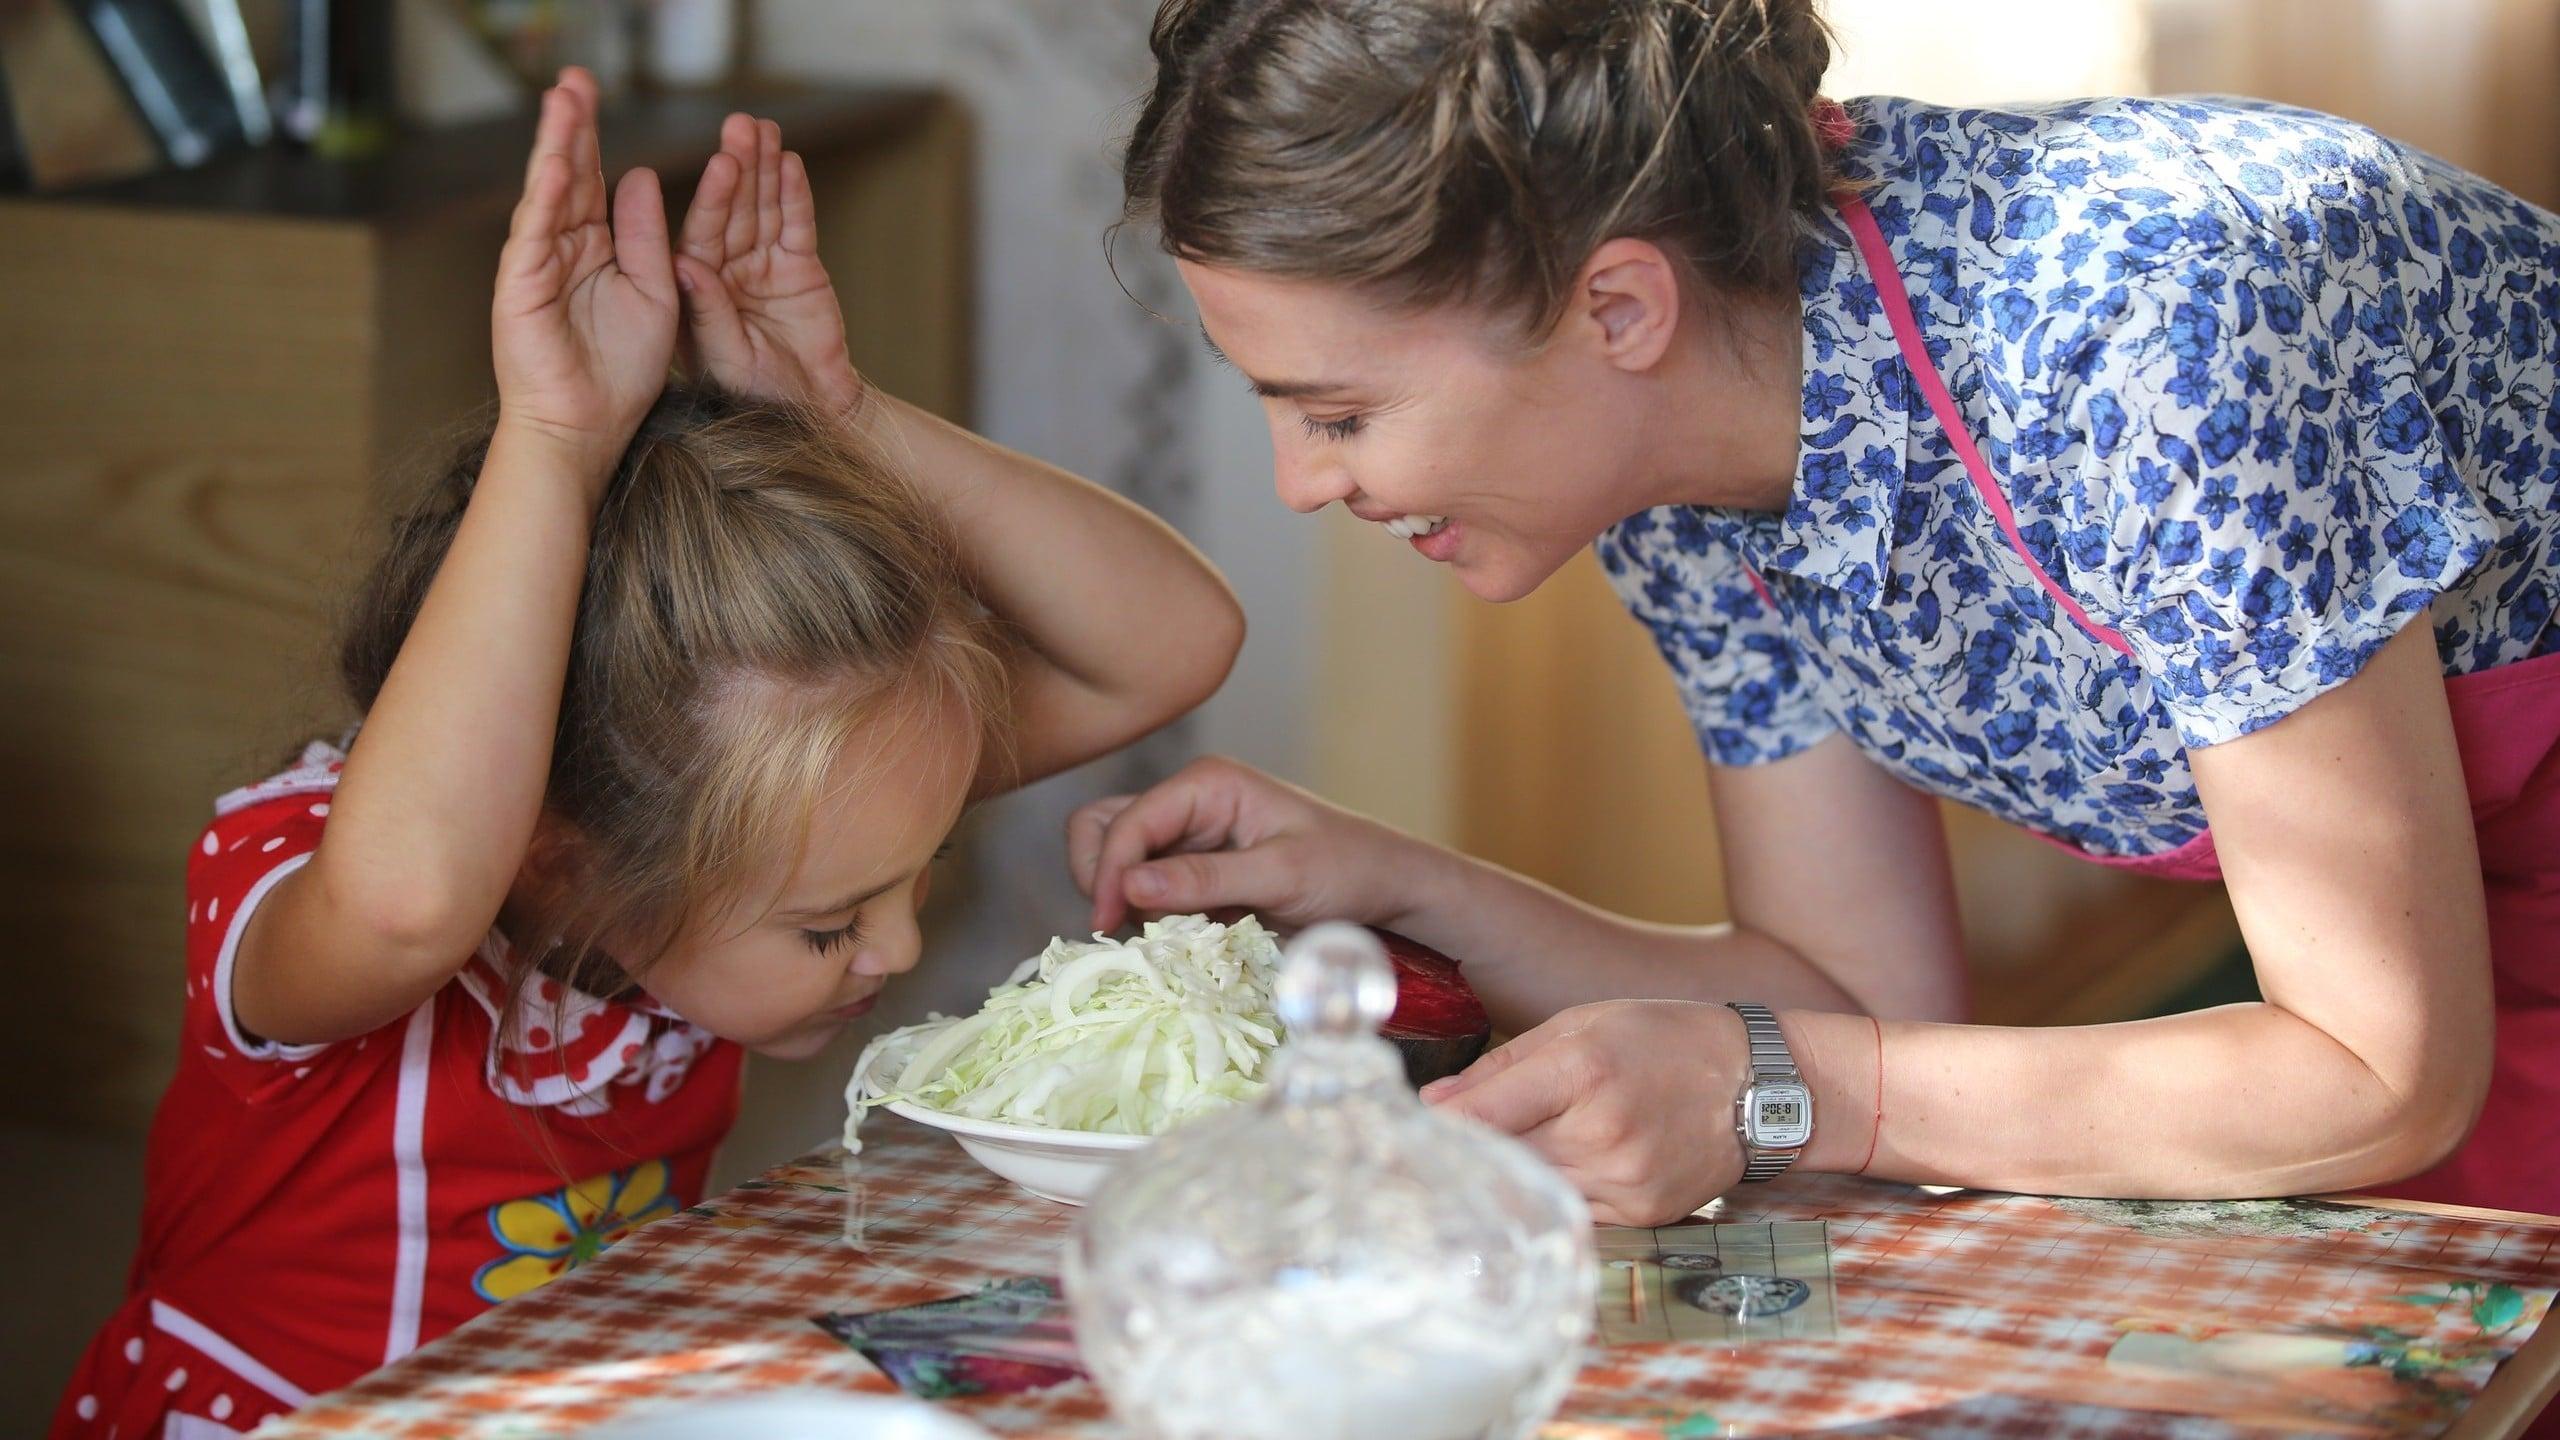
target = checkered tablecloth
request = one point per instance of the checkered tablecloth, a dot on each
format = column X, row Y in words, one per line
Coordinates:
column 1960, row 1315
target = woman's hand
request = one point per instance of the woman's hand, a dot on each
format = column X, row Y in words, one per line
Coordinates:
column 1219, row 833
column 584, row 317
column 1631, row 1099
column 764, row 322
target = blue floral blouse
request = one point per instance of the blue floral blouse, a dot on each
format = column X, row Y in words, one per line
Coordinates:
column 2260, row 385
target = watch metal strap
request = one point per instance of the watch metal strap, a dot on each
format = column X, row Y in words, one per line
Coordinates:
column 1770, row 1060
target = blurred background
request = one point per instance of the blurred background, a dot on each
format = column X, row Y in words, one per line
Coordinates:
column 244, row 249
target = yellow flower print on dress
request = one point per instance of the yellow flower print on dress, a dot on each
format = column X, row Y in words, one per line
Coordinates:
column 546, row 1235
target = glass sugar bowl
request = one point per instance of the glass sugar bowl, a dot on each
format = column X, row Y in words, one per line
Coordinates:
column 1333, row 1261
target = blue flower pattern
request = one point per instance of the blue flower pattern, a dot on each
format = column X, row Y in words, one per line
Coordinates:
column 2260, row 385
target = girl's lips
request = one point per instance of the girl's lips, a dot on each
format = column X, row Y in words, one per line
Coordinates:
column 1440, row 544
column 854, row 1011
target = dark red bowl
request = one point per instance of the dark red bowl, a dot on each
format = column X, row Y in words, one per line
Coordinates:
column 1439, row 1025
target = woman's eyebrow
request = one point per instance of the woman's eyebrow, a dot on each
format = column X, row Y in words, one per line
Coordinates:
column 1271, row 389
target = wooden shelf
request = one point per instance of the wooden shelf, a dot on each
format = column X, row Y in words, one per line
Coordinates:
column 426, row 172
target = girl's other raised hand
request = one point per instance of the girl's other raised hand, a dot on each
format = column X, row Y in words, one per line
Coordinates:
column 764, row 322
column 584, row 318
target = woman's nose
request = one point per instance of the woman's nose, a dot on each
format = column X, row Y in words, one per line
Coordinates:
column 1306, row 484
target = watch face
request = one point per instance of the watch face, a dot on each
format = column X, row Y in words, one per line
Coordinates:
column 1777, row 1116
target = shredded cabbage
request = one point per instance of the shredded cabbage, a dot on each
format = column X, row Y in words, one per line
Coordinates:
column 1124, row 1037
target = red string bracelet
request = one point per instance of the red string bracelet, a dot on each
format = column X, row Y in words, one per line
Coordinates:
column 1878, row 1132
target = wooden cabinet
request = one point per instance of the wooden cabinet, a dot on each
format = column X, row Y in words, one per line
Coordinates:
column 211, row 377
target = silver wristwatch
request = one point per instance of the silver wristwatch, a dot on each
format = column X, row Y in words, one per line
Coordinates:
column 1774, row 1116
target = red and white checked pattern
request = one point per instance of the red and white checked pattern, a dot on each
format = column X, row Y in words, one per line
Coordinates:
column 1960, row 1315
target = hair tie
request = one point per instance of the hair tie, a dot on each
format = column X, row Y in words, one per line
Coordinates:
column 1832, row 125
column 1506, row 48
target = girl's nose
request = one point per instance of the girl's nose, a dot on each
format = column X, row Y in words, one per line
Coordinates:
column 894, row 951
column 887, row 958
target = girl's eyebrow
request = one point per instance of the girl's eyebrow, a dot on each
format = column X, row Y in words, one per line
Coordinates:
column 838, row 908
column 1271, row 389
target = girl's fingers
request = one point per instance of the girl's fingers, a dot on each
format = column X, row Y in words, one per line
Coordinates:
column 711, row 315
column 535, row 229
column 768, row 184
column 706, row 221
column 554, row 114
column 742, row 228
column 799, row 207
column 590, row 153
column 640, row 235
column 587, row 198
column 738, row 142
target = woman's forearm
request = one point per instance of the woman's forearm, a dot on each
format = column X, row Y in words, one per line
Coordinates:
column 1532, row 950
column 2243, row 1100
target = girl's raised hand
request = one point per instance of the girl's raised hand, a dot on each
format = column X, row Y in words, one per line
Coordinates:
column 763, row 316
column 584, row 319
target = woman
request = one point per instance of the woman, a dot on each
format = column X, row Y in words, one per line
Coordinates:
column 2171, row 479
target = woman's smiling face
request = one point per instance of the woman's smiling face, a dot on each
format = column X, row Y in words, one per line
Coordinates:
column 1523, row 456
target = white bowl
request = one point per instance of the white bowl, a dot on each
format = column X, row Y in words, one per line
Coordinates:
column 1061, row 1165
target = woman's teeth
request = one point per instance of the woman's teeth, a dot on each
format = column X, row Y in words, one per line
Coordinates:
column 1406, row 527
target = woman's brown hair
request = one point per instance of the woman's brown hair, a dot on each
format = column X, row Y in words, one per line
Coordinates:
column 1481, row 150
column 759, row 590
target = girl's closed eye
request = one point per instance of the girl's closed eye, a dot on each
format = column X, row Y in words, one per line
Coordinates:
column 1342, row 429
column 826, row 941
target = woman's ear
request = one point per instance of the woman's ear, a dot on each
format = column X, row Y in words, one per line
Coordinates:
column 1627, row 301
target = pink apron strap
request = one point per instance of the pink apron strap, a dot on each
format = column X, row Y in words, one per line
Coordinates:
column 1752, row 574
column 1924, row 373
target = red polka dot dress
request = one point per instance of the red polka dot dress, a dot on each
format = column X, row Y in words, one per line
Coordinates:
column 314, row 1211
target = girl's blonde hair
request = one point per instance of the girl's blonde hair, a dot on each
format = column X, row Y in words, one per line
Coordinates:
column 1481, row 150
column 759, row 591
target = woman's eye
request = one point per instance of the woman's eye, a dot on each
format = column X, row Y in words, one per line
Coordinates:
column 826, row 941
column 1342, row 429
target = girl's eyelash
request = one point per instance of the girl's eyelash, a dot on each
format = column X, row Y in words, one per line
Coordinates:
column 826, row 941
column 1342, row 429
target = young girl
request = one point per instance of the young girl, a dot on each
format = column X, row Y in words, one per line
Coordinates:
column 669, row 700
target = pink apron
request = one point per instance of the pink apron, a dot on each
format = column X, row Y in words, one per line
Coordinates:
column 2507, row 723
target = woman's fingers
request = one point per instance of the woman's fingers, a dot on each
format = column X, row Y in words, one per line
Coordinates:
column 1518, row 1093
column 1084, row 836
column 1259, row 877
column 1150, row 825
